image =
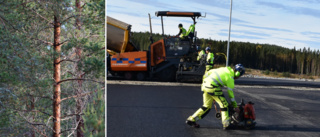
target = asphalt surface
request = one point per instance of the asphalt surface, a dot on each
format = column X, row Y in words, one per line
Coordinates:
column 155, row 109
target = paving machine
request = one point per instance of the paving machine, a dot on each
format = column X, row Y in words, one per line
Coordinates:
column 163, row 58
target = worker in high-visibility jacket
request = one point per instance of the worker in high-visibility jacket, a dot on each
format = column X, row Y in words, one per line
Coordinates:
column 209, row 60
column 213, row 80
column 190, row 32
column 201, row 54
column 182, row 32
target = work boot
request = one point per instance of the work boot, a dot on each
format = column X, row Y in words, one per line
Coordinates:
column 228, row 127
column 226, row 124
column 192, row 122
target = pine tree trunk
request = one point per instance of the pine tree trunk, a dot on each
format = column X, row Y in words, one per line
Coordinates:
column 56, row 76
column 79, row 91
column 78, row 21
column 79, row 100
column 33, row 132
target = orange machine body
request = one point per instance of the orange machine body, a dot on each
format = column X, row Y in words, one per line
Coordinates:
column 129, row 61
column 249, row 112
column 158, row 52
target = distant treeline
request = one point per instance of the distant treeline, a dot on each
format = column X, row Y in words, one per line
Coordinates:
column 253, row 55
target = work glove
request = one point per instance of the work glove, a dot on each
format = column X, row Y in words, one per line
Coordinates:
column 234, row 104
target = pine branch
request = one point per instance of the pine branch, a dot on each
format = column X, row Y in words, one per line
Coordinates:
column 89, row 54
column 50, row 22
column 46, row 42
column 71, row 73
column 23, row 3
column 4, row 20
column 64, row 42
column 40, row 96
column 83, row 5
column 70, row 115
column 65, row 80
column 36, row 124
column 93, row 36
column 67, row 60
column 67, row 130
column 79, row 95
column 38, row 131
column 73, row 16
column 32, row 111
column 75, row 128
column 49, row 120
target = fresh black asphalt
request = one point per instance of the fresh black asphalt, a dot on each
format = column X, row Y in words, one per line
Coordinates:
column 158, row 110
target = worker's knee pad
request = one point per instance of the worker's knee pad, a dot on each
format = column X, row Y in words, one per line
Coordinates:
column 223, row 100
column 206, row 111
column 224, row 109
column 205, row 108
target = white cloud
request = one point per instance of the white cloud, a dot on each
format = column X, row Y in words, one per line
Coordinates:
column 286, row 23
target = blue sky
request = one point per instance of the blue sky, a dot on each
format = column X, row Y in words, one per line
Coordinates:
column 286, row 23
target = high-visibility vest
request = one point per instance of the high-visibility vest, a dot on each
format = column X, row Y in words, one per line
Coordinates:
column 220, row 77
column 183, row 32
column 210, row 58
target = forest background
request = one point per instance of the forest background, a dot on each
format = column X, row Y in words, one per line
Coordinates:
column 52, row 69
column 265, row 57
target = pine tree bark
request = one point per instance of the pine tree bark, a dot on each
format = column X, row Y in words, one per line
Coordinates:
column 79, row 101
column 79, row 9
column 56, row 76
column 33, row 132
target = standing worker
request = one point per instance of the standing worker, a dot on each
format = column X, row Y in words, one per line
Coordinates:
column 213, row 80
column 209, row 60
column 201, row 54
column 182, row 32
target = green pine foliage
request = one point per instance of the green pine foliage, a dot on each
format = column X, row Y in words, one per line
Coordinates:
column 26, row 58
column 94, row 116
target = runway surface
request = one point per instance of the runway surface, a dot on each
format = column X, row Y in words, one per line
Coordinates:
column 159, row 109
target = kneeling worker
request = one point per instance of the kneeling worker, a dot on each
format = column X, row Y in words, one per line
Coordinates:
column 213, row 80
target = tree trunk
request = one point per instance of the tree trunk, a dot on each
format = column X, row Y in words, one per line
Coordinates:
column 33, row 132
column 79, row 101
column 79, row 9
column 56, row 76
